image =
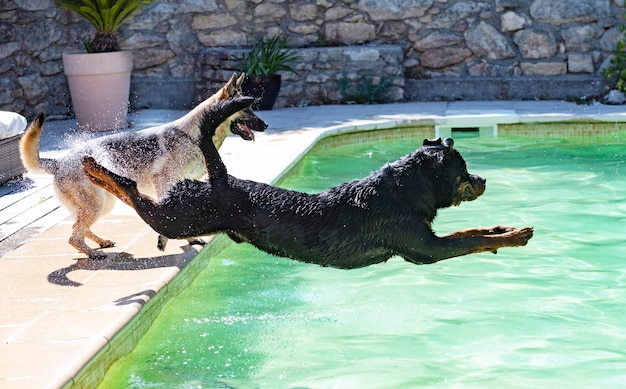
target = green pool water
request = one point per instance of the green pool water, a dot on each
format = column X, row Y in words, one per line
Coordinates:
column 550, row 314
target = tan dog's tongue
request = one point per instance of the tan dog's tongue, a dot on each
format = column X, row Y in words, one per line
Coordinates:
column 247, row 130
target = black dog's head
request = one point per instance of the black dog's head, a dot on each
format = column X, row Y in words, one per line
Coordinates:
column 434, row 176
column 451, row 170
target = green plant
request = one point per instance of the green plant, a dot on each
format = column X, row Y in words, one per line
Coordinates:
column 323, row 41
column 365, row 91
column 415, row 73
column 269, row 56
column 616, row 72
column 106, row 16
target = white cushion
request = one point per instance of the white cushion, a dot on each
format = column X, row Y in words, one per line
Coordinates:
column 11, row 124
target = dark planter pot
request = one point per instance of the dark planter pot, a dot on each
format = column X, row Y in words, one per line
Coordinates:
column 265, row 88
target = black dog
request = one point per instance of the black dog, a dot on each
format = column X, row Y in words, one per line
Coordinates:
column 352, row 225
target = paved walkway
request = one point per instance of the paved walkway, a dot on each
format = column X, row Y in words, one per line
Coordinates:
column 58, row 310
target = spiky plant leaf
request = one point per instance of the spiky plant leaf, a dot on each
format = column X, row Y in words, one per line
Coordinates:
column 268, row 56
column 106, row 16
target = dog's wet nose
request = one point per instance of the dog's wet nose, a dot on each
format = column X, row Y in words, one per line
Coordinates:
column 479, row 184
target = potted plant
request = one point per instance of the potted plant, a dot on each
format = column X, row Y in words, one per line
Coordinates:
column 261, row 64
column 99, row 79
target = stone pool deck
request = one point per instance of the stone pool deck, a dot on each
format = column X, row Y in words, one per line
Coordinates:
column 58, row 310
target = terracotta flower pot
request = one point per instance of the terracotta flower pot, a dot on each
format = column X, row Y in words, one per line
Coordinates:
column 100, row 88
column 265, row 88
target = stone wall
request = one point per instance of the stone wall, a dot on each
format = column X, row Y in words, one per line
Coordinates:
column 440, row 42
column 328, row 75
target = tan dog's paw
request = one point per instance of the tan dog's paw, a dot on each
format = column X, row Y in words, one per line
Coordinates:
column 107, row 243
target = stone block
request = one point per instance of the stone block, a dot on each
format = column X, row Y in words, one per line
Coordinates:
column 560, row 12
column 580, row 63
column 147, row 58
column 485, row 41
column 580, row 38
column 535, row 43
column 303, row 12
column 543, row 68
column 212, row 20
column 439, row 58
column 384, row 10
column 268, row 12
column 437, row 39
column 222, row 38
column 350, row 33
column 512, row 21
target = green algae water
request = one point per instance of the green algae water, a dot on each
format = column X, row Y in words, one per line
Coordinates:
column 550, row 314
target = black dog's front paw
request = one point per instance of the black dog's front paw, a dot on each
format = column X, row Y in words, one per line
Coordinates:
column 523, row 235
column 498, row 230
column 515, row 237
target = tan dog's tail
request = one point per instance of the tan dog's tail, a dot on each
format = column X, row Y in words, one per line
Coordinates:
column 29, row 149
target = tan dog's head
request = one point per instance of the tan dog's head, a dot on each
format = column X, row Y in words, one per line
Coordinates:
column 242, row 123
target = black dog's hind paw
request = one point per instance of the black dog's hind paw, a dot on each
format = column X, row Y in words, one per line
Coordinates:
column 198, row 241
column 162, row 242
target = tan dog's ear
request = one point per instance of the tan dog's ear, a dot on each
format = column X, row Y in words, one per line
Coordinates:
column 231, row 86
column 240, row 81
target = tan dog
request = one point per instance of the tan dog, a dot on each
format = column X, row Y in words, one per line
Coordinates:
column 156, row 158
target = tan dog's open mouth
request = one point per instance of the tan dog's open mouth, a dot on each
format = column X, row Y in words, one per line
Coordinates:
column 244, row 131
column 243, row 125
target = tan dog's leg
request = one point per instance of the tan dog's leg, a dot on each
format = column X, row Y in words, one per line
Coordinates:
column 87, row 212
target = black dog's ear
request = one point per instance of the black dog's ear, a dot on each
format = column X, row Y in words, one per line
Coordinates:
column 447, row 143
column 432, row 142
column 229, row 107
column 214, row 116
column 238, row 103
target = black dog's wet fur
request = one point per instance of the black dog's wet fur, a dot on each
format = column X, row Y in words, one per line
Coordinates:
column 355, row 224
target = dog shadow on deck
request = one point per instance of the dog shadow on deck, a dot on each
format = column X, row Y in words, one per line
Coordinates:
column 121, row 261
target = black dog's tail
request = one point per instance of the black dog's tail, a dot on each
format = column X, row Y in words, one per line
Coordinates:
column 208, row 124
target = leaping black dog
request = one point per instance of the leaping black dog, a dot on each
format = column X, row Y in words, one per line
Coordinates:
column 352, row 225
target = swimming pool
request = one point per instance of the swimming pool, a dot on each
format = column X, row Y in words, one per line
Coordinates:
column 547, row 313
